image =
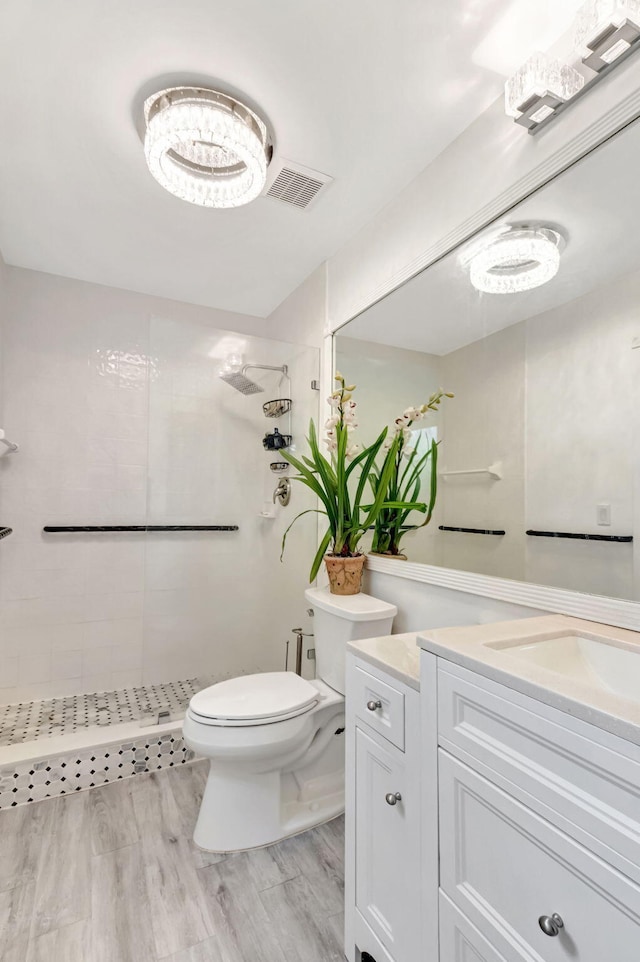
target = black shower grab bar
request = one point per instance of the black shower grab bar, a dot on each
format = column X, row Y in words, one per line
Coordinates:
column 446, row 527
column 5, row 532
column 619, row 538
column 91, row 528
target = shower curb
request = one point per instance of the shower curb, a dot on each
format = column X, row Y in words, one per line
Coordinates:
column 68, row 772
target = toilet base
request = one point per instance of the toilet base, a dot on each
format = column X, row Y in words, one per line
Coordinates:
column 242, row 810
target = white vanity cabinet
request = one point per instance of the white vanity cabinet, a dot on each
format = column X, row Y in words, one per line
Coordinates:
column 539, row 828
column 382, row 872
column 486, row 823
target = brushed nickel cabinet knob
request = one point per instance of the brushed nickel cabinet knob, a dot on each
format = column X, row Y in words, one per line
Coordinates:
column 392, row 798
column 374, row 705
column 551, row 924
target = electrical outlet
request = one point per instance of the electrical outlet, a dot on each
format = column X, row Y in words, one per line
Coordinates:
column 603, row 513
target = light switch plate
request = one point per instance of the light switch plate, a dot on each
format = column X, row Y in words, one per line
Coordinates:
column 603, row 513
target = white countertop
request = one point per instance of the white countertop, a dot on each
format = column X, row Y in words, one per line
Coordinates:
column 397, row 655
column 468, row 646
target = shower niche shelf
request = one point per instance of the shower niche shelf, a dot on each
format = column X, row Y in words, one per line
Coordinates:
column 277, row 407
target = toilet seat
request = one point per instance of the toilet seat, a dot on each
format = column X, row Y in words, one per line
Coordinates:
column 252, row 700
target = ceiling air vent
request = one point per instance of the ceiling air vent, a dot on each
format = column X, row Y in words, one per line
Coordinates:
column 297, row 185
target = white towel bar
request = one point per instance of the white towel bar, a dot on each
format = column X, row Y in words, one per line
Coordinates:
column 494, row 471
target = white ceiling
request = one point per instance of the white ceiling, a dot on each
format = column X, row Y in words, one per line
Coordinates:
column 595, row 205
column 366, row 92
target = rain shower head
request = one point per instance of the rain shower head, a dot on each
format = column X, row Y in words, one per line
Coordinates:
column 244, row 384
column 241, row 382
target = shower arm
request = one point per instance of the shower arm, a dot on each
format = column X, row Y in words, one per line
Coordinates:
column 265, row 367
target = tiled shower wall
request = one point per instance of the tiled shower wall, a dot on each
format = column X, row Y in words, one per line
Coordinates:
column 121, row 420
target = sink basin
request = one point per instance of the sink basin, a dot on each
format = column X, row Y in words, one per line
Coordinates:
column 599, row 662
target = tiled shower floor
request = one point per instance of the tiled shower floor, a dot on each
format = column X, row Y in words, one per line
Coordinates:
column 29, row 721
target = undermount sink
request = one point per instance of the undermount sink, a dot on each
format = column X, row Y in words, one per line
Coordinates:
column 599, row 662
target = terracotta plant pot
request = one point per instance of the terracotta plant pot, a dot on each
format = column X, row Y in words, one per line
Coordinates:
column 345, row 574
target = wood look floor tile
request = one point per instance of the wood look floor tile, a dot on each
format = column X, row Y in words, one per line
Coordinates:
column 242, row 926
column 112, row 875
column 300, row 924
column 180, row 913
column 322, row 866
column 112, row 817
column 156, row 812
column 63, row 885
column 209, row 951
column 71, row 943
column 120, row 917
column 22, row 830
column 16, row 905
column 187, row 785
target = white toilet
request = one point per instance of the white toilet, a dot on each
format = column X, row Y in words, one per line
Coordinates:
column 275, row 741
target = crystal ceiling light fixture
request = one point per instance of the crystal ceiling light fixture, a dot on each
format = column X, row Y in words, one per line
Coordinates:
column 206, row 147
column 538, row 88
column 518, row 259
column 604, row 30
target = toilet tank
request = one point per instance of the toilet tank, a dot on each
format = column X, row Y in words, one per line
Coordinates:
column 340, row 619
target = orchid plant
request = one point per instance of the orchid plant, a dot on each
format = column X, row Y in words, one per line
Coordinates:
column 340, row 481
column 404, row 479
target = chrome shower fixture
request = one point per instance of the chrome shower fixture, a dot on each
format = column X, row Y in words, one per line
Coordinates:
column 239, row 380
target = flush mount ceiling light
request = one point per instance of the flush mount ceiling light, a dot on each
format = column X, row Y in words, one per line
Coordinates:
column 206, row 147
column 538, row 88
column 517, row 260
column 606, row 29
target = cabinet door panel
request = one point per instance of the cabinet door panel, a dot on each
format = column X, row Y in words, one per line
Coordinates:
column 387, row 846
column 505, row 868
column 460, row 941
column 585, row 781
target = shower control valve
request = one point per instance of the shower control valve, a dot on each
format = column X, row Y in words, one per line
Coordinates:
column 282, row 494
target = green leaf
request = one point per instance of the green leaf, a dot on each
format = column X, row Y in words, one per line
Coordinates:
column 284, row 536
column 317, row 561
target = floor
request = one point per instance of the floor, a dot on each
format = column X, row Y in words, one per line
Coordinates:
column 111, row 875
column 30, row 720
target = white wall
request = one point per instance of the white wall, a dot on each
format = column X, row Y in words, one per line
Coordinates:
column 483, row 424
column 422, row 606
column 583, row 431
column 120, row 421
column 301, row 318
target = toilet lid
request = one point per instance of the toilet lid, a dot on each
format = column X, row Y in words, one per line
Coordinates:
column 269, row 695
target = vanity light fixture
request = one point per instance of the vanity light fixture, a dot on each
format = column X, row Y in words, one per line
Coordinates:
column 518, row 259
column 538, row 88
column 603, row 33
column 606, row 29
column 206, row 147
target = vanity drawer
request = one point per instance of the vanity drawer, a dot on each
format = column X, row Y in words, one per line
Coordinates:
column 584, row 780
column 460, row 941
column 379, row 706
column 505, row 868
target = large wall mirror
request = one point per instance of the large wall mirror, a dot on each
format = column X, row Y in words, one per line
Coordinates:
column 534, row 326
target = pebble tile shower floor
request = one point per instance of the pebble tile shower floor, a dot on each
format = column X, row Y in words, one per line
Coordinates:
column 29, row 721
